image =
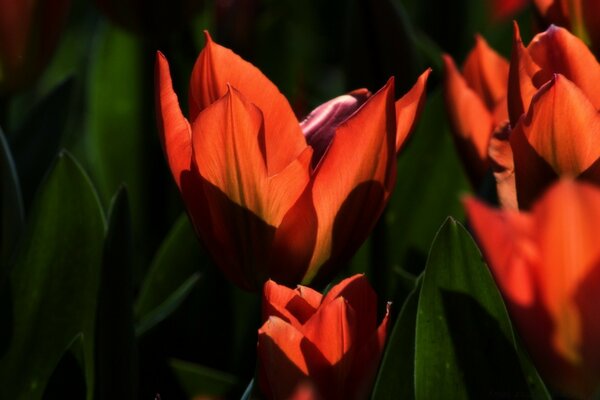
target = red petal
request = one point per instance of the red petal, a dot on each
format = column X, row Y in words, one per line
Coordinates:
column 505, row 238
column 217, row 67
column 521, row 75
column 354, row 178
column 333, row 331
column 288, row 359
column 360, row 295
column 227, row 137
column 174, row 129
column 558, row 51
column 408, row 109
column 472, row 123
column 486, row 72
column 276, row 299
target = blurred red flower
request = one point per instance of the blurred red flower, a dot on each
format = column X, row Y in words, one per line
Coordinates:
column 29, row 33
column 271, row 197
column 329, row 345
column 476, row 104
column 553, row 103
column 503, row 9
column 547, row 265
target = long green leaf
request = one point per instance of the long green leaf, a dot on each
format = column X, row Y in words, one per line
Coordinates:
column 11, row 206
column 465, row 347
column 115, row 335
column 198, row 380
column 53, row 285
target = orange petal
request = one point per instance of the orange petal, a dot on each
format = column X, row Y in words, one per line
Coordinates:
column 522, row 73
column 217, row 67
column 175, row 132
column 288, row 359
column 408, row 109
column 505, row 237
column 227, row 137
column 567, row 220
column 486, row 72
column 354, row 178
column 360, row 295
column 559, row 51
column 333, row 331
column 367, row 360
column 311, row 296
column 563, row 127
column 472, row 123
column 285, row 303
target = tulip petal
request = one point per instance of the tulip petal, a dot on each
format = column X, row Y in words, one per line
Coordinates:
column 522, row 73
column 287, row 304
column 486, row 72
column 567, row 224
column 506, row 238
column 360, row 295
column 472, row 122
column 174, row 129
column 357, row 171
column 217, row 67
column 563, row 127
column 227, row 137
column 558, row 51
column 291, row 359
column 408, row 109
column 333, row 331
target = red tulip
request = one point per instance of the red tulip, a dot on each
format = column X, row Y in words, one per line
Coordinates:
column 476, row 104
column 579, row 16
column 330, row 345
column 29, row 33
column 271, row 197
column 547, row 265
column 553, row 101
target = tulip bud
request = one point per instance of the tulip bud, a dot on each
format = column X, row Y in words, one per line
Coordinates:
column 329, row 346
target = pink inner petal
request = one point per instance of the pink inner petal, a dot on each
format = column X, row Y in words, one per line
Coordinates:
column 320, row 125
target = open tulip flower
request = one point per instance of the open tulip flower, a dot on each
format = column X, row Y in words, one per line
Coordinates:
column 476, row 104
column 547, row 265
column 269, row 196
column 579, row 16
column 553, row 102
column 329, row 345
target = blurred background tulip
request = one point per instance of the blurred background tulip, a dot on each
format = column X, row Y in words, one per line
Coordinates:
column 553, row 101
column 546, row 264
column 29, row 33
column 332, row 343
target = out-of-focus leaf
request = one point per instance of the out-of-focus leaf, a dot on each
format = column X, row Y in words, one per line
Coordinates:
column 54, row 282
column 464, row 342
column 198, row 380
column 396, row 372
column 11, row 206
column 428, row 187
column 67, row 380
column 37, row 141
column 172, row 275
column 248, row 392
column 115, row 335
column 117, row 141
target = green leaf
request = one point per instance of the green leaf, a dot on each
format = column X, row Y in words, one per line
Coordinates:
column 53, row 285
column 395, row 379
column 464, row 343
column 11, row 206
column 37, row 141
column 197, row 380
column 68, row 380
column 172, row 275
column 115, row 335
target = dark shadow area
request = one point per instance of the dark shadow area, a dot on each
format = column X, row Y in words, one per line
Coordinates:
column 6, row 316
column 67, row 381
column 488, row 360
